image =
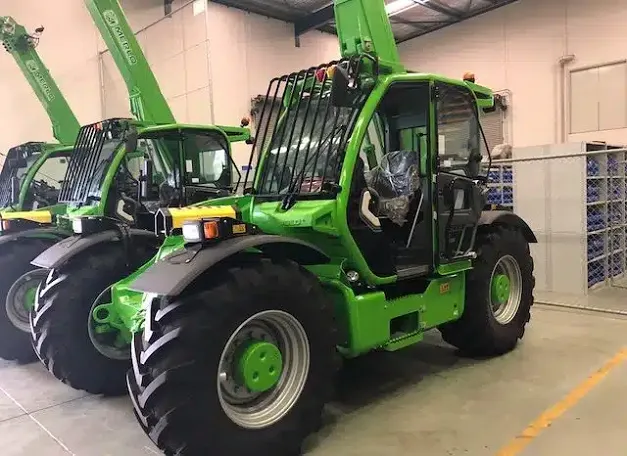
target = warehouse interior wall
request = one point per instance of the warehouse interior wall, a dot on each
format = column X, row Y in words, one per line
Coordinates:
column 519, row 47
column 68, row 47
column 212, row 60
column 224, row 57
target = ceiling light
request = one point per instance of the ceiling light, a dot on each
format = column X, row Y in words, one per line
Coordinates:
column 399, row 6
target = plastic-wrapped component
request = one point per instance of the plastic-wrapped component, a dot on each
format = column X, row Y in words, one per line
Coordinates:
column 395, row 180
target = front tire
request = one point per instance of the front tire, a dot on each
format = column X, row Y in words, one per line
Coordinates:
column 61, row 317
column 499, row 295
column 190, row 402
column 15, row 263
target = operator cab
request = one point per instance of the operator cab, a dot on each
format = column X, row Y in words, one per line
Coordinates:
column 415, row 197
column 45, row 183
column 393, row 197
column 141, row 171
column 195, row 167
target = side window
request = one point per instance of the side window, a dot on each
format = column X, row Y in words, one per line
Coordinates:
column 458, row 128
column 207, row 161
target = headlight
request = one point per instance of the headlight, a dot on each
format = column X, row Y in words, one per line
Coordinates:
column 5, row 225
column 77, row 225
column 192, row 232
column 200, row 231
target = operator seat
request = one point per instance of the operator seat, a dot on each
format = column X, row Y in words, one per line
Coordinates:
column 396, row 181
column 374, row 246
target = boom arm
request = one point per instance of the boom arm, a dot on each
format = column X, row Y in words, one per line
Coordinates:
column 147, row 101
column 363, row 27
column 21, row 46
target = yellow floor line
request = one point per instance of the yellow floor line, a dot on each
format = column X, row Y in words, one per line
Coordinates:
column 520, row 442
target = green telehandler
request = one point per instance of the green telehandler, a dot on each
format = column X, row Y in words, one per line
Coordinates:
column 364, row 228
column 31, row 173
column 122, row 172
column 30, row 182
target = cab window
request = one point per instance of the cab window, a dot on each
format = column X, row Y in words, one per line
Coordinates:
column 207, row 161
column 458, row 128
column 52, row 171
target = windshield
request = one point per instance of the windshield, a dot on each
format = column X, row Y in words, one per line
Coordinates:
column 304, row 149
column 52, row 171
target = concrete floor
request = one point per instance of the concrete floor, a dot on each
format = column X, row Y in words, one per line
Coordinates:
column 424, row 400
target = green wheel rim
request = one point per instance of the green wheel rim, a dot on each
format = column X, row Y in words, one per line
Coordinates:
column 506, row 289
column 21, row 298
column 500, row 288
column 104, row 337
column 260, row 366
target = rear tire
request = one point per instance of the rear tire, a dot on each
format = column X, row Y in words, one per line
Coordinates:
column 481, row 331
column 59, row 322
column 178, row 356
column 14, row 263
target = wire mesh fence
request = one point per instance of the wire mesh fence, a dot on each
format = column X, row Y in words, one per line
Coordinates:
column 574, row 197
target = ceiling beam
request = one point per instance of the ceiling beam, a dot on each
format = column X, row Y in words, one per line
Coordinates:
column 314, row 20
column 494, row 5
column 245, row 6
column 437, row 6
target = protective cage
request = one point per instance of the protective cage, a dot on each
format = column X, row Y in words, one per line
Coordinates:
column 301, row 136
column 88, row 158
column 23, row 151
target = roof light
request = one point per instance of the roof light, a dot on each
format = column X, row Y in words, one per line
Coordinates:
column 400, row 6
column 330, row 71
column 470, row 77
column 321, row 74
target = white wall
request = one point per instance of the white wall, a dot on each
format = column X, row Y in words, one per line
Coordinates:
column 518, row 47
column 210, row 63
column 246, row 51
column 68, row 48
column 221, row 58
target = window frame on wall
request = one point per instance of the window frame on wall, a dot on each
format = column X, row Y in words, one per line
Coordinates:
column 494, row 123
column 592, row 111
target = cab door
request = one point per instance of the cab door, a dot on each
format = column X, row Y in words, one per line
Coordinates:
column 459, row 197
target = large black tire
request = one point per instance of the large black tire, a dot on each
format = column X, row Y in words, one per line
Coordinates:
column 15, row 258
column 174, row 376
column 59, row 321
column 477, row 332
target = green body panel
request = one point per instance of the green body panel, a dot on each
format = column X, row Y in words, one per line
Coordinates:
column 366, row 318
column 127, row 304
column 20, row 45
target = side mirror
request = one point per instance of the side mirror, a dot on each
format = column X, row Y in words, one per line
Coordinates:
column 474, row 164
column 131, row 141
column 340, row 88
column 146, row 180
column 15, row 190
